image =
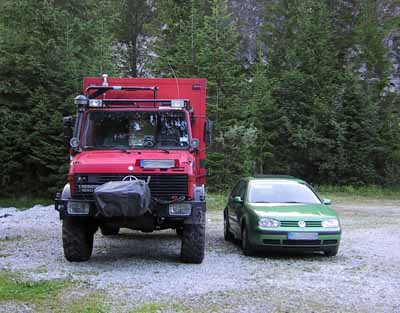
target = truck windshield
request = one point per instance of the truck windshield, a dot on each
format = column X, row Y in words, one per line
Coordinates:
column 136, row 129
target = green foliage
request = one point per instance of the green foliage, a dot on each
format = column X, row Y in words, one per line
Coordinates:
column 312, row 104
column 46, row 47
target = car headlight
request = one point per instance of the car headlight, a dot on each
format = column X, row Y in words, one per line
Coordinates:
column 266, row 222
column 332, row 222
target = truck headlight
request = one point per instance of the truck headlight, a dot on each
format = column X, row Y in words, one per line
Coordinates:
column 78, row 208
column 266, row 222
column 332, row 222
column 180, row 209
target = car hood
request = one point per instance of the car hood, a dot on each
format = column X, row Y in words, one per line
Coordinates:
column 292, row 210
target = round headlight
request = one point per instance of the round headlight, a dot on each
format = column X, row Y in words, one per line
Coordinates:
column 332, row 222
column 266, row 222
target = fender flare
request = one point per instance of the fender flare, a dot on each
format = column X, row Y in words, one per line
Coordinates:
column 66, row 193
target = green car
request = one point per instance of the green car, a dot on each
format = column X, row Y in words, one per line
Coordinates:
column 280, row 213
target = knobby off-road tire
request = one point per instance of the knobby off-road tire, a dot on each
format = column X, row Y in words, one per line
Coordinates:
column 109, row 231
column 77, row 236
column 193, row 243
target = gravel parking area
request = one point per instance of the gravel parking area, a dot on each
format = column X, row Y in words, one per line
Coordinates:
column 134, row 268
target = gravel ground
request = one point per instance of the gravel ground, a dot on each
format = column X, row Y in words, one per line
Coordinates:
column 135, row 268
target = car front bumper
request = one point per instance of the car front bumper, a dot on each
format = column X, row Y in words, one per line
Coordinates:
column 279, row 240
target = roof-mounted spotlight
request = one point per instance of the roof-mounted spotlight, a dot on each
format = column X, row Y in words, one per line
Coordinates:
column 81, row 101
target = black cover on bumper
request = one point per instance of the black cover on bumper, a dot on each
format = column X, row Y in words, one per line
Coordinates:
column 122, row 198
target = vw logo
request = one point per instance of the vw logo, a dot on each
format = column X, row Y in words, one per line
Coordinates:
column 301, row 224
column 129, row 178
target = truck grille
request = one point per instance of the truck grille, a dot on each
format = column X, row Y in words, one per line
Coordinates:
column 161, row 185
column 295, row 224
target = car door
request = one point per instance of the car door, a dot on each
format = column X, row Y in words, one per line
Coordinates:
column 235, row 209
column 240, row 208
column 232, row 214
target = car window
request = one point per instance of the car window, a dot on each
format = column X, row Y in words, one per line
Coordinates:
column 278, row 191
column 242, row 190
column 236, row 190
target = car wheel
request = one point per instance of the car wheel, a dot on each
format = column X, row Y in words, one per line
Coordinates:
column 247, row 248
column 228, row 236
column 109, row 231
column 331, row 251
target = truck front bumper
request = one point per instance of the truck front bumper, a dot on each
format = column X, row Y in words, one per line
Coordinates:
column 88, row 208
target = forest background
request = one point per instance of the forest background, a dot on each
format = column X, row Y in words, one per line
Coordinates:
column 308, row 88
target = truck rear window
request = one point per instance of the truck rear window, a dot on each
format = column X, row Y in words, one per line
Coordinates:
column 136, row 129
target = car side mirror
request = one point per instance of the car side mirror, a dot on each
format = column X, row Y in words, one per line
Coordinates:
column 237, row 200
column 208, row 132
column 327, row 201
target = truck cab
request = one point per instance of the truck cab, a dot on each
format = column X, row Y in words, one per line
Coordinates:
column 136, row 129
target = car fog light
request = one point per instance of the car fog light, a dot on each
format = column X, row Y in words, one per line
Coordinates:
column 78, row 208
column 332, row 222
column 268, row 223
column 180, row 209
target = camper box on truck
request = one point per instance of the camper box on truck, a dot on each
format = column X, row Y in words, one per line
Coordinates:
column 137, row 150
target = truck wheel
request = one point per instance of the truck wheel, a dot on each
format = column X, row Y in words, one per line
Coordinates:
column 109, row 231
column 77, row 236
column 193, row 243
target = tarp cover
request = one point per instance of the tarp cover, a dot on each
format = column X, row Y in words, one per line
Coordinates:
column 123, row 198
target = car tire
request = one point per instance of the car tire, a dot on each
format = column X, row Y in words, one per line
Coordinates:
column 109, row 231
column 331, row 251
column 77, row 236
column 228, row 236
column 193, row 243
column 248, row 249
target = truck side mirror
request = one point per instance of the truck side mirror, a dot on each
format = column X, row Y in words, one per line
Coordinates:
column 208, row 131
column 68, row 123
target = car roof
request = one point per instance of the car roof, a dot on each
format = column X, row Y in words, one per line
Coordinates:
column 274, row 177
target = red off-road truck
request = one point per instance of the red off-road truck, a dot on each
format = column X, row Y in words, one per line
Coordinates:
column 137, row 160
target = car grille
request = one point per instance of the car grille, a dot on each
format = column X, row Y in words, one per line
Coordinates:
column 295, row 223
column 301, row 242
column 161, row 185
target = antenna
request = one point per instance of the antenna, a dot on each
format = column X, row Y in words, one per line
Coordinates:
column 176, row 79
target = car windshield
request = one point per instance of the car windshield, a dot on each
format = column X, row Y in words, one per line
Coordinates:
column 281, row 192
column 136, row 129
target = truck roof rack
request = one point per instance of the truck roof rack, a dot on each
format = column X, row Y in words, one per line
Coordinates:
column 137, row 102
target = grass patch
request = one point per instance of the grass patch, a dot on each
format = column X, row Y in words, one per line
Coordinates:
column 91, row 303
column 12, row 288
column 216, row 201
column 352, row 192
column 24, row 202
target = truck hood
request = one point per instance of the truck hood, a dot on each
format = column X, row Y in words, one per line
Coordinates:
column 292, row 210
column 120, row 161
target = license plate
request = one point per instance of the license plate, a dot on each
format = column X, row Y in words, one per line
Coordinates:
column 302, row 236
